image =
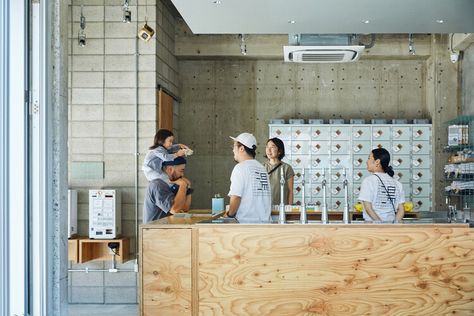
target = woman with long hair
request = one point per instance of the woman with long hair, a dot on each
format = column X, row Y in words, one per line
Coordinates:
column 275, row 151
column 381, row 195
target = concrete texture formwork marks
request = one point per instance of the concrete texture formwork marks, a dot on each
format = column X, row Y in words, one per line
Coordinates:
column 232, row 96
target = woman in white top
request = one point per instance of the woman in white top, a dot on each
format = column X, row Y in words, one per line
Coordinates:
column 382, row 196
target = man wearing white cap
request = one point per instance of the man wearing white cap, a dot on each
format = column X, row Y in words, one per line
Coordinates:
column 250, row 195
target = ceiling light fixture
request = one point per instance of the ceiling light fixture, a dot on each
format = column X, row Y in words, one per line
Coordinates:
column 411, row 44
column 440, row 21
column 243, row 46
column 291, row 21
column 127, row 14
column 217, row 1
column 453, row 55
column 81, row 36
column 366, row 21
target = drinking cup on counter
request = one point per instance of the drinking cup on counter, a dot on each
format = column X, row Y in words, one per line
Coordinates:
column 408, row 206
column 217, row 204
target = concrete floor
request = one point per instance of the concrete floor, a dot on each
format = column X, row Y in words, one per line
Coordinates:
column 101, row 310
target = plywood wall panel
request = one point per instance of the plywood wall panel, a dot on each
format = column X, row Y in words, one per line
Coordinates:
column 334, row 271
column 166, row 272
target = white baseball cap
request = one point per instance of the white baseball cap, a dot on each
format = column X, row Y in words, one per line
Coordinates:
column 246, row 139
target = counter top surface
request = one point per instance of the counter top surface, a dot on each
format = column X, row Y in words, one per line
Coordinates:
column 200, row 218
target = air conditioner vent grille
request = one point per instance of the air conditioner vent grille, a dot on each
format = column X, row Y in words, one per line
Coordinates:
column 322, row 54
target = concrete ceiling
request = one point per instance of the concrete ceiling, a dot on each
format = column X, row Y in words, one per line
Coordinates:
column 328, row 16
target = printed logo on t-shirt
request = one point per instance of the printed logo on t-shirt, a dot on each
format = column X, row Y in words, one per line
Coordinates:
column 260, row 185
column 385, row 197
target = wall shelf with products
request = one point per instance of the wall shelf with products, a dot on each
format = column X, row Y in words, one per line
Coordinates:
column 459, row 170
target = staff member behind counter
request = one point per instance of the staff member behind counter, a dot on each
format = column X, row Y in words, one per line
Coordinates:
column 250, row 193
column 382, row 196
column 275, row 151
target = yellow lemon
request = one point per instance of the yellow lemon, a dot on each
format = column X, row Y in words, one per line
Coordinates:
column 408, row 206
column 359, row 207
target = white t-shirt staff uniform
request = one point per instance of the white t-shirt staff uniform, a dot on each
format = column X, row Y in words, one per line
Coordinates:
column 374, row 192
column 249, row 180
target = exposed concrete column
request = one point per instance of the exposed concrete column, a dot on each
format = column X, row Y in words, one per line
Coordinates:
column 443, row 103
column 57, row 215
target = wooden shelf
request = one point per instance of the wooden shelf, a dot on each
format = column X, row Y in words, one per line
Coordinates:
column 83, row 249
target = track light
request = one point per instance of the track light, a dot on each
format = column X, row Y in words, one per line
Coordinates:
column 127, row 14
column 146, row 32
column 411, row 44
column 243, row 46
column 81, row 36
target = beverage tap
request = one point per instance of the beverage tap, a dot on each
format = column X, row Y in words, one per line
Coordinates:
column 303, row 217
column 345, row 184
column 282, row 215
column 324, row 209
column 451, row 211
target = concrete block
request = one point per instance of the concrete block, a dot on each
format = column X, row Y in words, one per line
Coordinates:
column 147, row 12
column 147, row 79
column 144, row 144
column 116, row 162
column 87, row 113
column 147, row 113
column 93, row 30
column 120, row 46
column 147, row 95
column 120, row 29
column 150, row 46
column 119, row 129
column 117, row 96
column 121, row 279
column 119, row 178
column 84, row 2
column 114, row 13
column 119, row 2
column 93, row 13
column 87, row 279
column 128, row 195
column 120, row 295
column 147, row 62
column 94, row 46
column 119, row 145
column 87, row 96
column 87, row 79
column 120, row 63
column 87, row 129
column 119, row 112
column 128, row 211
column 86, row 145
column 120, row 79
column 87, row 63
column 87, row 294
column 85, row 157
column 147, row 129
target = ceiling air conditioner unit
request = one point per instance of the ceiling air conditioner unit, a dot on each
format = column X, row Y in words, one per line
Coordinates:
column 322, row 54
column 322, row 48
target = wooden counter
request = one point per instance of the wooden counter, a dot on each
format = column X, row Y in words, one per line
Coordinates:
column 270, row 269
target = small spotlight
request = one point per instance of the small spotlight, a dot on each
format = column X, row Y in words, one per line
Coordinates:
column 291, row 21
column 81, row 36
column 146, row 32
column 81, row 39
column 127, row 14
column 366, row 21
column 440, row 21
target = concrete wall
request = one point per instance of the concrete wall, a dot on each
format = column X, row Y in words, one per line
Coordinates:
column 468, row 81
column 231, row 96
column 102, row 98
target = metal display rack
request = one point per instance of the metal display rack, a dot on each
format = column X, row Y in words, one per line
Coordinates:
column 459, row 171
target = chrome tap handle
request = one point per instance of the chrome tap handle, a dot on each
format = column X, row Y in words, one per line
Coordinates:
column 324, row 210
column 345, row 214
column 282, row 215
column 303, row 217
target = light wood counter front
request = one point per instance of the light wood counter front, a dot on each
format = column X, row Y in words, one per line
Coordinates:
column 269, row 269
